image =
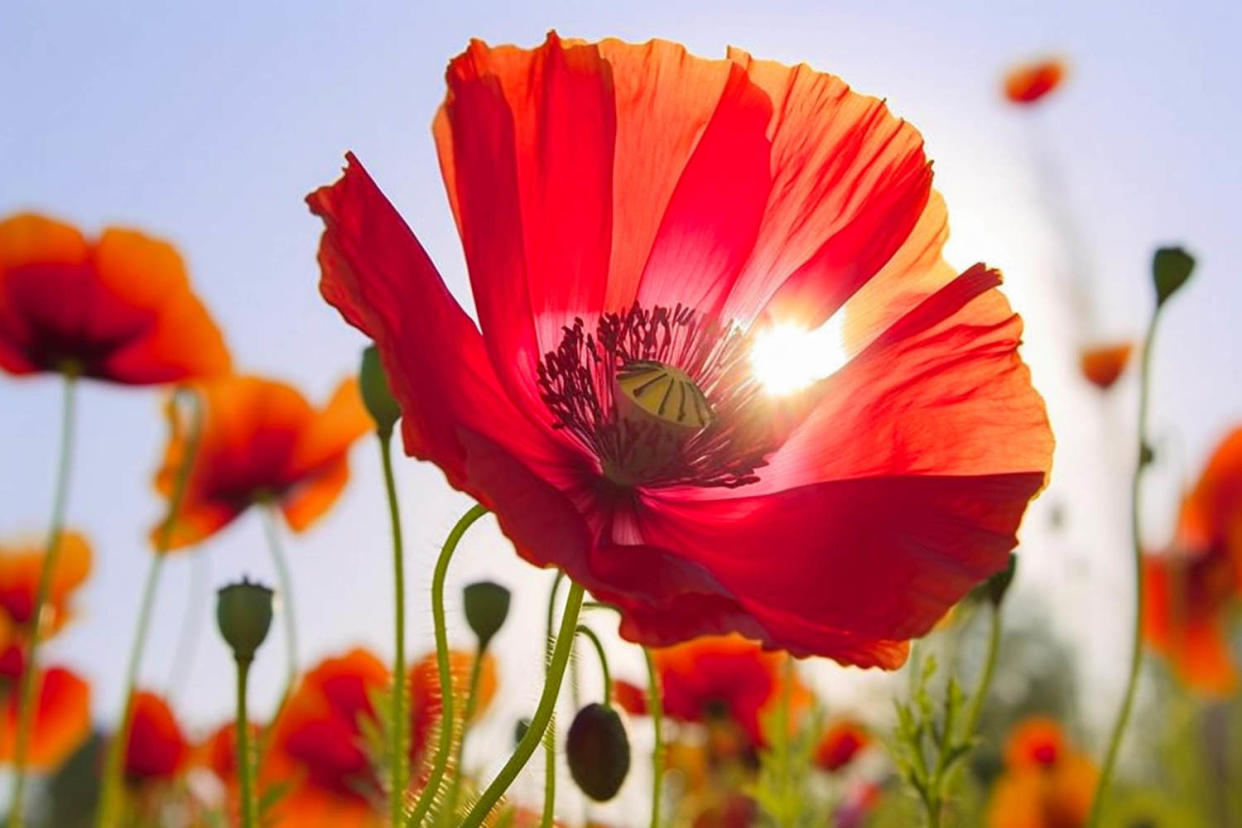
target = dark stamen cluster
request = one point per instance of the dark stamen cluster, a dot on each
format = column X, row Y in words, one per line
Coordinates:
column 577, row 381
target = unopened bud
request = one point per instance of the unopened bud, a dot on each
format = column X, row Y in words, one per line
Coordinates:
column 244, row 615
column 1170, row 268
column 999, row 583
column 520, row 728
column 487, row 607
column 376, row 393
column 598, row 751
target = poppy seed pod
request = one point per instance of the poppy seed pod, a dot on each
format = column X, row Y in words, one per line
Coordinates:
column 598, row 750
column 244, row 615
column 376, row 394
column 487, row 606
column 1170, row 268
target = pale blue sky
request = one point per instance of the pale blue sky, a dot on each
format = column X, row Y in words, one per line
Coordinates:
column 207, row 123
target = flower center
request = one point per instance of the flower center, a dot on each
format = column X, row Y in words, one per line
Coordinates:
column 660, row 397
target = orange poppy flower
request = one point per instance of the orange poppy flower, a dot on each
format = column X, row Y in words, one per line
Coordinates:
column 119, row 308
column 1029, row 82
column 1211, row 515
column 425, row 708
column 1046, row 784
column 1102, row 365
column 21, row 566
column 634, row 218
column 716, row 677
column 157, row 746
column 840, row 743
column 261, row 440
column 62, row 718
column 317, row 745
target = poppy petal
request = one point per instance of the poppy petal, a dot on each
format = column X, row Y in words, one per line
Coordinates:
column 62, row 720
column 380, row 279
column 36, row 254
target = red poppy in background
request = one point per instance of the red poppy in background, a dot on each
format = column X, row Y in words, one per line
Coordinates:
column 261, row 441
column 1046, row 783
column 62, row 718
column 841, row 742
column 1191, row 587
column 1103, row 365
column 425, row 705
column 633, row 219
column 1029, row 82
column 117, row 309
column 317, row 745
column 157, row 748
column 718, row 677
column 20, row 568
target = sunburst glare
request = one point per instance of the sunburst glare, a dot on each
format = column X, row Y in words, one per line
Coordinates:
column 787, row 357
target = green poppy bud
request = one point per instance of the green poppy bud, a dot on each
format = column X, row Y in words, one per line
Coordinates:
column 487, row 607
column 998, row 584
column 520, row 728
column 376, row 393
column 598, row 751
column 244, row 615
column 1170, row 268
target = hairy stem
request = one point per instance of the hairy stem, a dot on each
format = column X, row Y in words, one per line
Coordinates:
column 399, row 769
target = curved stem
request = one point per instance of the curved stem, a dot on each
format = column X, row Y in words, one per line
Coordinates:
column 109, row 800
column 603, row 661
column 549, row 736
column 29, row 685
column 245, row 772
column 472, row 702
column 543, row 714
column 285, row 580
column 399, row 769
column 1136, row 643
column 655, row 707
column 989, row 669
column 428, row 794
column 191, row 624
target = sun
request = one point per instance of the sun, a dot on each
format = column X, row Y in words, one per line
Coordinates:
column 788, row 357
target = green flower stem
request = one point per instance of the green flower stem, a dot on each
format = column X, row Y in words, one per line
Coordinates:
column 655, row 707
column 110, row 795
column 399, row 727
column 428, row 794
column 28, row 690
column 472, row 702
column 603, row 661
column 245, row 769
column 285, row 580
column 1136, row 644
column 989, row 669
column 543, row 714
column 549, row 736
column 191, row 624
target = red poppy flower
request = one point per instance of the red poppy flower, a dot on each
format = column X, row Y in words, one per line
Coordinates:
column 1211, row 516
column 424, row 683
column 20, row 568
column 1029, row 82
column 317, row 744
column 261, row 440
column 62, row 718
column 117, row 309
column 1046, row 784
column 717, row 677
column 840, row 743
column 633, row 219
column 1102, row 365
column 157, row 746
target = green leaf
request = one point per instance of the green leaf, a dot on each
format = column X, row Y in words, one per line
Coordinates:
column 1171, row 267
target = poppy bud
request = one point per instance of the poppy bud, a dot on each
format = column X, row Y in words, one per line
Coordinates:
column 998, row 584
column 1170, row 268
column 244, row 615
column 487, row 607
column 519, row 729
column 376, row 393
column 598, row 751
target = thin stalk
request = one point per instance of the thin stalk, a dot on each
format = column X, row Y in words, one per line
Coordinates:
column 28, row 690
column 472, row 703
column 109, row 801
column 245, row 771
column 549, row 736
column 989, row 669
column 285, row 581
column 603, row 661
column 655, row 707
column 1136, row 643
column 428, row 794
column 543, row 714
column 399, row 769
column 191, row 624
